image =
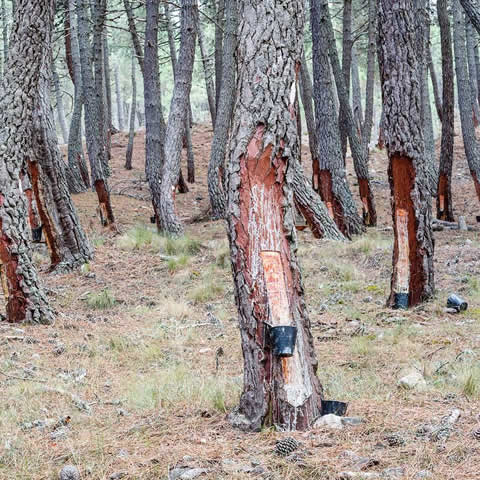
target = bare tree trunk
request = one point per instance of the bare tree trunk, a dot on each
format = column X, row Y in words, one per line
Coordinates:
column 207, row 69
column 216, row 166
column 433, row 77
column 473, row 12
column 131, row 130
column 370, row 87
column 94, row 117
column 134, row 34
column 472, row 72
column 329, row 175
column 66, row 240
column 477, row 60
column 118, row 95
column 279, row 391
column 220, row 15
column 60, row 109
column 108, row 126
column 472, row 149
column 356, row 94
column 78, row 177
column 154, row 123
column 169, row 221
column 30, row 47
column 359, row 152
column 444, row 189
column 412, row 276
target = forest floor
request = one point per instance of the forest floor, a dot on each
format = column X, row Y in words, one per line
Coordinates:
column 137, row 374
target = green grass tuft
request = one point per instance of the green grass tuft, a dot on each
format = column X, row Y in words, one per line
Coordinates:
column 101, row 301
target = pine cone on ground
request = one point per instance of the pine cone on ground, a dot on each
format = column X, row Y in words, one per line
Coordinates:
column 476, row 434
column 286, row 446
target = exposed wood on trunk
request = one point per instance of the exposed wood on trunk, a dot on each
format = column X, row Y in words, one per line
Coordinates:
column 412, row 275
column 444, row 191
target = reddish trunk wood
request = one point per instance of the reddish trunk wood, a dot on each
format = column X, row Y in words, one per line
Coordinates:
column 105, row 207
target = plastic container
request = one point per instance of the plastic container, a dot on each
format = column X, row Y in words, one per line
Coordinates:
column 400, row 301
column 283, row 340
column 456, row 302
column 332, row 406
column 153, row 219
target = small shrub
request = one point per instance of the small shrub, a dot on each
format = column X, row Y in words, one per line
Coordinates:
column 101, row 301
column 140, row 237
column 179, row 245
column 470, row 387
column 207, row 292
column 175, row 263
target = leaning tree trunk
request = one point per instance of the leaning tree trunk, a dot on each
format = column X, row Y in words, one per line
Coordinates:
column 216, row 166
column 93, row 116
column 118, row 96
column 68, row 245
column 359, row 152
column 60, row 108
column 472, row 71
column 131, row 130
column 154, row 123
column 329, row 175
column 472, row 9
column 472, row 148
column 444, row 189
column 30, row 47
column 370, row 86
column 433, row 78
column 284, row 392
column 412, row 276
column 169, row 221
column 78, row 177
column 134, row 34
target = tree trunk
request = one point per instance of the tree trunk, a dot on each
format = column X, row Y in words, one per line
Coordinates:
column 118, row 95
column 169, row 222
column 370, row 87
column 66, row 240
column 306, row 94
column 472, row 72
column 412, row 276
column 472, row 10
column 5, row 32
column 93, row 117
column 347, row 44
column 78, row 177
column 134, row 34
column 60, row 109
column 209, row 86
column 30, row 47
column 68, row 41
column 278, row 391
column 131, row 130
column 359, row 152
column 477, row 60
column 356, row 94
column 154, row 123
column 381, row 133
column 444, row 189
column 216, row 166
column 433, row 77
column 472, row 150
column 108, row 127
column 220, row 15
column 329, row 175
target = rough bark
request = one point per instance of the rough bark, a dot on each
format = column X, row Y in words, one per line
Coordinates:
column 93, row 116
column 118, row 96
column 370, row 85
column 356, row 94
column 68, row 41
column 207, row 70
column 108, row 126
column 154, row 123
column 359, row 152
column 134, row 34
column 472, row 148
column 281, row 392
column 216, row 166
column 78, row 177
column 60, row 108
column 30, row 47
column 220, row 15
column 412, row 275
column 472, row 71
column 66, row 240
column 168, row 220
column 433, row 78
column 472, row 9
column 444, row 189
column 329, row 175
column 131, row 130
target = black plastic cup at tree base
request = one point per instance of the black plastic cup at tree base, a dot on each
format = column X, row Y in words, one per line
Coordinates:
column 37, row 234
column 400, row 301
column 456, row 302
column 478, row 218
column 283, row 340
column 332, row 406
column 153, row 219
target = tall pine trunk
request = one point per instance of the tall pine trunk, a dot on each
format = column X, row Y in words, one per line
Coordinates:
column 412, row 276
column 444, row 189
column 131, row 129
column 30, row 47
column 278, row 391
column 370, row 86
column 472, row 71
column 60, row 108
column 118, row 96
